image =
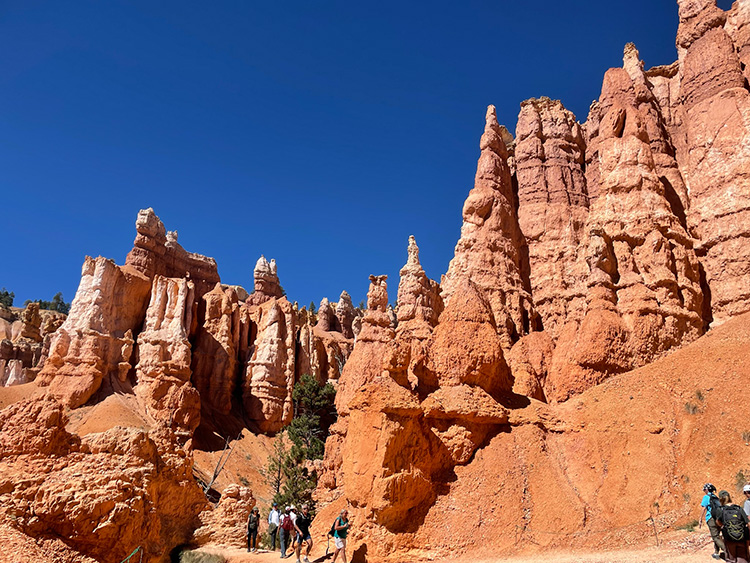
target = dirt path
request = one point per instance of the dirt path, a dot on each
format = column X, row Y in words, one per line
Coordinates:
column 683, row 548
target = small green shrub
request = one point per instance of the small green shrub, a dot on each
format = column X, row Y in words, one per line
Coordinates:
column 746, row 436
column 689, row 526
column 244, row 481
column 690, row 408
column 699, row 395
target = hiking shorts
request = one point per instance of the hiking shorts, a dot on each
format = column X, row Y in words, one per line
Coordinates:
column 340, row 543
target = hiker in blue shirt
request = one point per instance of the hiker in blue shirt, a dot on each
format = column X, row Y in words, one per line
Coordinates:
column 709, row 503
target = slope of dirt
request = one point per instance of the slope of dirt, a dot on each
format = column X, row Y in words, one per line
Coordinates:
column 596, row 470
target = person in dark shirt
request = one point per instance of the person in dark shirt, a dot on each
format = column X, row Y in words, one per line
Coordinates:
column 303, row 532
column 252, row 529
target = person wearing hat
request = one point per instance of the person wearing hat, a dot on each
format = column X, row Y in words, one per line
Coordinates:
column 273, row 524
column 710, row 502
column 746, row 506
column 286, row 529
column 253, row 521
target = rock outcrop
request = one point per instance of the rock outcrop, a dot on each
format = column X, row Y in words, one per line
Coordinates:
column 266, row 282
column 105, row 493
column 157, row 252
column 489, row 252
column 270, row 371
column 96, row 340
column 716, row 111
column 226, row 524
column 217, row 348
column 553, row 207
column 644, row 292
column 163, row 356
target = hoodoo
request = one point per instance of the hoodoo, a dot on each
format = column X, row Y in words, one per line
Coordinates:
column 588, row 338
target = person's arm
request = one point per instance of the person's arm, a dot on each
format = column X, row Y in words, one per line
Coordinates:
column 702, row 518
column 269, row 517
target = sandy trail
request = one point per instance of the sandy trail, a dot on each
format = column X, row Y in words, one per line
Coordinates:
column 684, row 547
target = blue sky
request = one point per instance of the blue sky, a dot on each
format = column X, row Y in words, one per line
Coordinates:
column 321, row 134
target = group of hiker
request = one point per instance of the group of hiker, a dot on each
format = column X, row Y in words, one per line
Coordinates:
column 727, row 523
column 293, row 529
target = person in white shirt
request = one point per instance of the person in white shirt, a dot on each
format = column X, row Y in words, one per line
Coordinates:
column 273, row 525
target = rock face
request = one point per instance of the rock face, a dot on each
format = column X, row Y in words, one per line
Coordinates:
column 96, row 340
column 716, row 114
column 270, row 370
column 644, row 294
column 419, row 306
column 217, row 347
column 490, row 248
column 266, row 282
column 163, row 356
column 553, row 206
column 226, row 524
column 156, row 251
column 106, row 493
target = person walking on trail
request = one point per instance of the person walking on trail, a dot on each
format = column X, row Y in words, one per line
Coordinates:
column 340, row 531
column 273, row 524
column 253, row 521
column 293, row 515
column 302, row 524
column 710, row 502
column 746, row 506
column 733, row 523
column 285, row 531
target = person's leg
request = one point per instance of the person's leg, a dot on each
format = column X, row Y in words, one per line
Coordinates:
column 716, row 536
column 249, row 536
column 255, row 539
column 335, row 555
column 282, row 542
column 298, row 550
column 273, row 540
column 309, row 548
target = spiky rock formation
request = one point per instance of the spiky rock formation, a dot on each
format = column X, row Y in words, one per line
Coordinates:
column 217, row 347
column 716, row 113
column 490, row 248
column 157, row 252
column 266, row 281
column 419, row 305
column 162, row 354
column 345, row 315
column 553, row 207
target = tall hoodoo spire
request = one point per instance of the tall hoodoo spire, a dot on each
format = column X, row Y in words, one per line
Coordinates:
column 490, row 248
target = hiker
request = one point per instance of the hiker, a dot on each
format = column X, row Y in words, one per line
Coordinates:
column 746, row 506
column 273, row 524
column 285, row 531
column 340, row 530
column 302, row 524
column 733, row 523
column 710, row 502
column 252, row 529
column 293, row 515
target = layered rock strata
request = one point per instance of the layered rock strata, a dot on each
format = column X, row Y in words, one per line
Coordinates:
column 163, row 356
column 157, row 252
column 96, row 340
column 489, row 252
column 716, row 121
column 553, row 207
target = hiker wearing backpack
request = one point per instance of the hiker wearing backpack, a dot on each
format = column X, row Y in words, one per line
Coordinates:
column 340, row 530
column 285, row 531
column 732, row 520
column 711, row 504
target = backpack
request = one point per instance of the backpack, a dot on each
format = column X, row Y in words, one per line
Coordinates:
column 332, row 531
column 286, row 523
column 734, row 524
column 715, row 504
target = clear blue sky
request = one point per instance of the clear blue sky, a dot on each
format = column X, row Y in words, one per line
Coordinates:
column 321, row 134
